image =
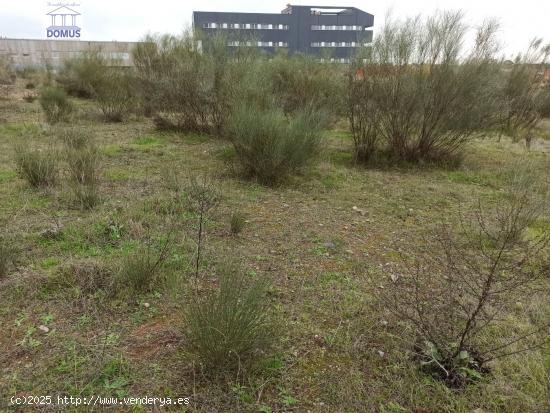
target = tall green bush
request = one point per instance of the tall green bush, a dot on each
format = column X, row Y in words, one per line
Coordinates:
column 55, row 104
column 115, row 94
column 38, row 167
column 229, row 326
column 270, row 146
column 415, row 91
column 81, row 75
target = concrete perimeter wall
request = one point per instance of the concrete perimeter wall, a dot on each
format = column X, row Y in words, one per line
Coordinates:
column 22, row 53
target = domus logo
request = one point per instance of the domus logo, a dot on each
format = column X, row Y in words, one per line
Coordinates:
column 63, row 22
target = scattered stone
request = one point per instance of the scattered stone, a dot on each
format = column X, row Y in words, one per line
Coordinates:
column 329, row 244
column 44, row 328
column 361, row 211
column 381, row 353
column 52, row 233
column 146, row 305
column 394, row 277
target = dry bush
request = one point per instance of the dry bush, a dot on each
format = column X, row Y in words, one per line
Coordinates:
column 269, row 146
column 139, row 270
column 237, row 222
column 202, row 196
column 82, row 75
column 456, row 296
column 115, row 94
column 55, row 104
column 38, row 167
column 413, row 91
column 83, row 162
column 524, row 97
column 230, row 326
column 91, row 275
column 186, row 88
column 302, row 82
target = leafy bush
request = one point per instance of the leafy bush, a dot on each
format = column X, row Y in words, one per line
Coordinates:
column 38, row 167
column 55, row 104
column 461, row 288
column 115, row 95
column 270, row 146
column 82, row 75
column 417, row 94
column 227, row 327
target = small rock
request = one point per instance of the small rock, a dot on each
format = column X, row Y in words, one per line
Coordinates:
column 146, row 305
column 361, row 211
column 43, row 328
column 394, row 277
column 52, row 233
column 384, row 322
column 381, row 353
column 329, row 244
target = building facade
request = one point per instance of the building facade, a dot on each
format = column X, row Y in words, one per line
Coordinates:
column 335, row 32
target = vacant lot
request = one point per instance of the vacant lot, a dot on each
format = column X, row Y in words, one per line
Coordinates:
column 320, row 240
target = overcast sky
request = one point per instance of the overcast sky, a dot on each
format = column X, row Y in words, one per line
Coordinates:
column 131, row 19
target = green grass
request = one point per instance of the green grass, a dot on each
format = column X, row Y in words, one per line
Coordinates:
column 318, row 253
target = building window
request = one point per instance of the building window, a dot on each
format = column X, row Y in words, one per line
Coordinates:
column 209, row 25
column 347, row 28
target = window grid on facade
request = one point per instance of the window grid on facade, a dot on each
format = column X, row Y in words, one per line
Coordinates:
column 259, row 44
column 335, row 44
column 329, row 27
column 245, row 26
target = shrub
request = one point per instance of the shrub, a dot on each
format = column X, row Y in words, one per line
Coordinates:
column 83, row 165
column 39, row 168
column 269, row 146
column 75, row 137
column 91, row 275
column 55, row 104
column 83, row 162
column 227, row 327
column 86, row 196
column 523, row 95
column 417, row 94
column 115, row 94
column 299, row 82
column 138, row 271
column 82, row 75
column 460, row 290
column 237, row 223
column 185, row 88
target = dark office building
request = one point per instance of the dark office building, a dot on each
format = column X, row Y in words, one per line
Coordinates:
column 335, row 32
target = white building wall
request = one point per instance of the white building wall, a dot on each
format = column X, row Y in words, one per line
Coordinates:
column 39, row 53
